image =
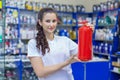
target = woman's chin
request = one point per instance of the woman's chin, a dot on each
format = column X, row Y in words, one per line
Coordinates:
column 50, row 32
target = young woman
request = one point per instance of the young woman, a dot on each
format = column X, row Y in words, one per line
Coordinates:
column 51, row 55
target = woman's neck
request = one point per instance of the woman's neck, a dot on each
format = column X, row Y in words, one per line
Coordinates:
column 50, row 36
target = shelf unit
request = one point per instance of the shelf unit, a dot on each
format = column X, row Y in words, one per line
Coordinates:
column 105, row 39
column 2, row 23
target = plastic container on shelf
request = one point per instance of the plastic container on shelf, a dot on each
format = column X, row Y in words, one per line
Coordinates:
column 118, row 55
column 1, row 31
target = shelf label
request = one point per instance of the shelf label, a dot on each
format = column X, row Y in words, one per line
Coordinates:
column 1, row 31
column 0, row 4
column 0, row 38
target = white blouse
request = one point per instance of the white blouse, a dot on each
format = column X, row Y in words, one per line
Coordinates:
column 60, row 49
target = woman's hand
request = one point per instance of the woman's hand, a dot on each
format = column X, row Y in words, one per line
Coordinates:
column 72, row 59
column 91, row 26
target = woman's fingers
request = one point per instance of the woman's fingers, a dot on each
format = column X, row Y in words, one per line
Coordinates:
column 76, row 59
column 91, row 26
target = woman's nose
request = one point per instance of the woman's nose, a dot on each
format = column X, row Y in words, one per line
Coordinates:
column 51, row 24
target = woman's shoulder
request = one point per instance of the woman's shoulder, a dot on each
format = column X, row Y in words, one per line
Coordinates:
column 62, row 38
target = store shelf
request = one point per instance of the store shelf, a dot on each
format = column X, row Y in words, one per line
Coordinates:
column 26, row 24
column 13, row 60
column 12, row 24
column 25, row 60
column 113, row 55
column 104, row 54
column 104, row 41
column 106, row 25
column 110, row 10
column 26, row 10
column 11, row 7
column 115, row 71
column 66, row 25
column 61, row 12
column 27, row 67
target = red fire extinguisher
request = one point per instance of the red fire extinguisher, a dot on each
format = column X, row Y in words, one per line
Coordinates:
column 85, row 42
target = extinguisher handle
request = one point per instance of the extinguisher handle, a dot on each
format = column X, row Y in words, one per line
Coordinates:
column 88, row 24
column 84, row 22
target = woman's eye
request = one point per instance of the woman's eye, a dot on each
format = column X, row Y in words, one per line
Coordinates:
column 54, row 20
column 51, row 21
column 47, row 20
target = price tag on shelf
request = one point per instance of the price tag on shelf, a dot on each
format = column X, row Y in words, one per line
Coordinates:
column 0, row 38
column 0, row 34
column 0, row 4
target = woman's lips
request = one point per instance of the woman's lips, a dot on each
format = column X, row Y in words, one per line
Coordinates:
column 51, row 28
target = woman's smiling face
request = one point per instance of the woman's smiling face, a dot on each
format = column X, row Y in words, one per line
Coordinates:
column 49, row 22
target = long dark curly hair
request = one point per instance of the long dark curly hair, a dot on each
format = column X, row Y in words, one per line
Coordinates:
column 41, row 41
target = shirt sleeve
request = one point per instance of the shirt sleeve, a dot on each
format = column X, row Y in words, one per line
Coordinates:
column 32, row 49
column 73, row 47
